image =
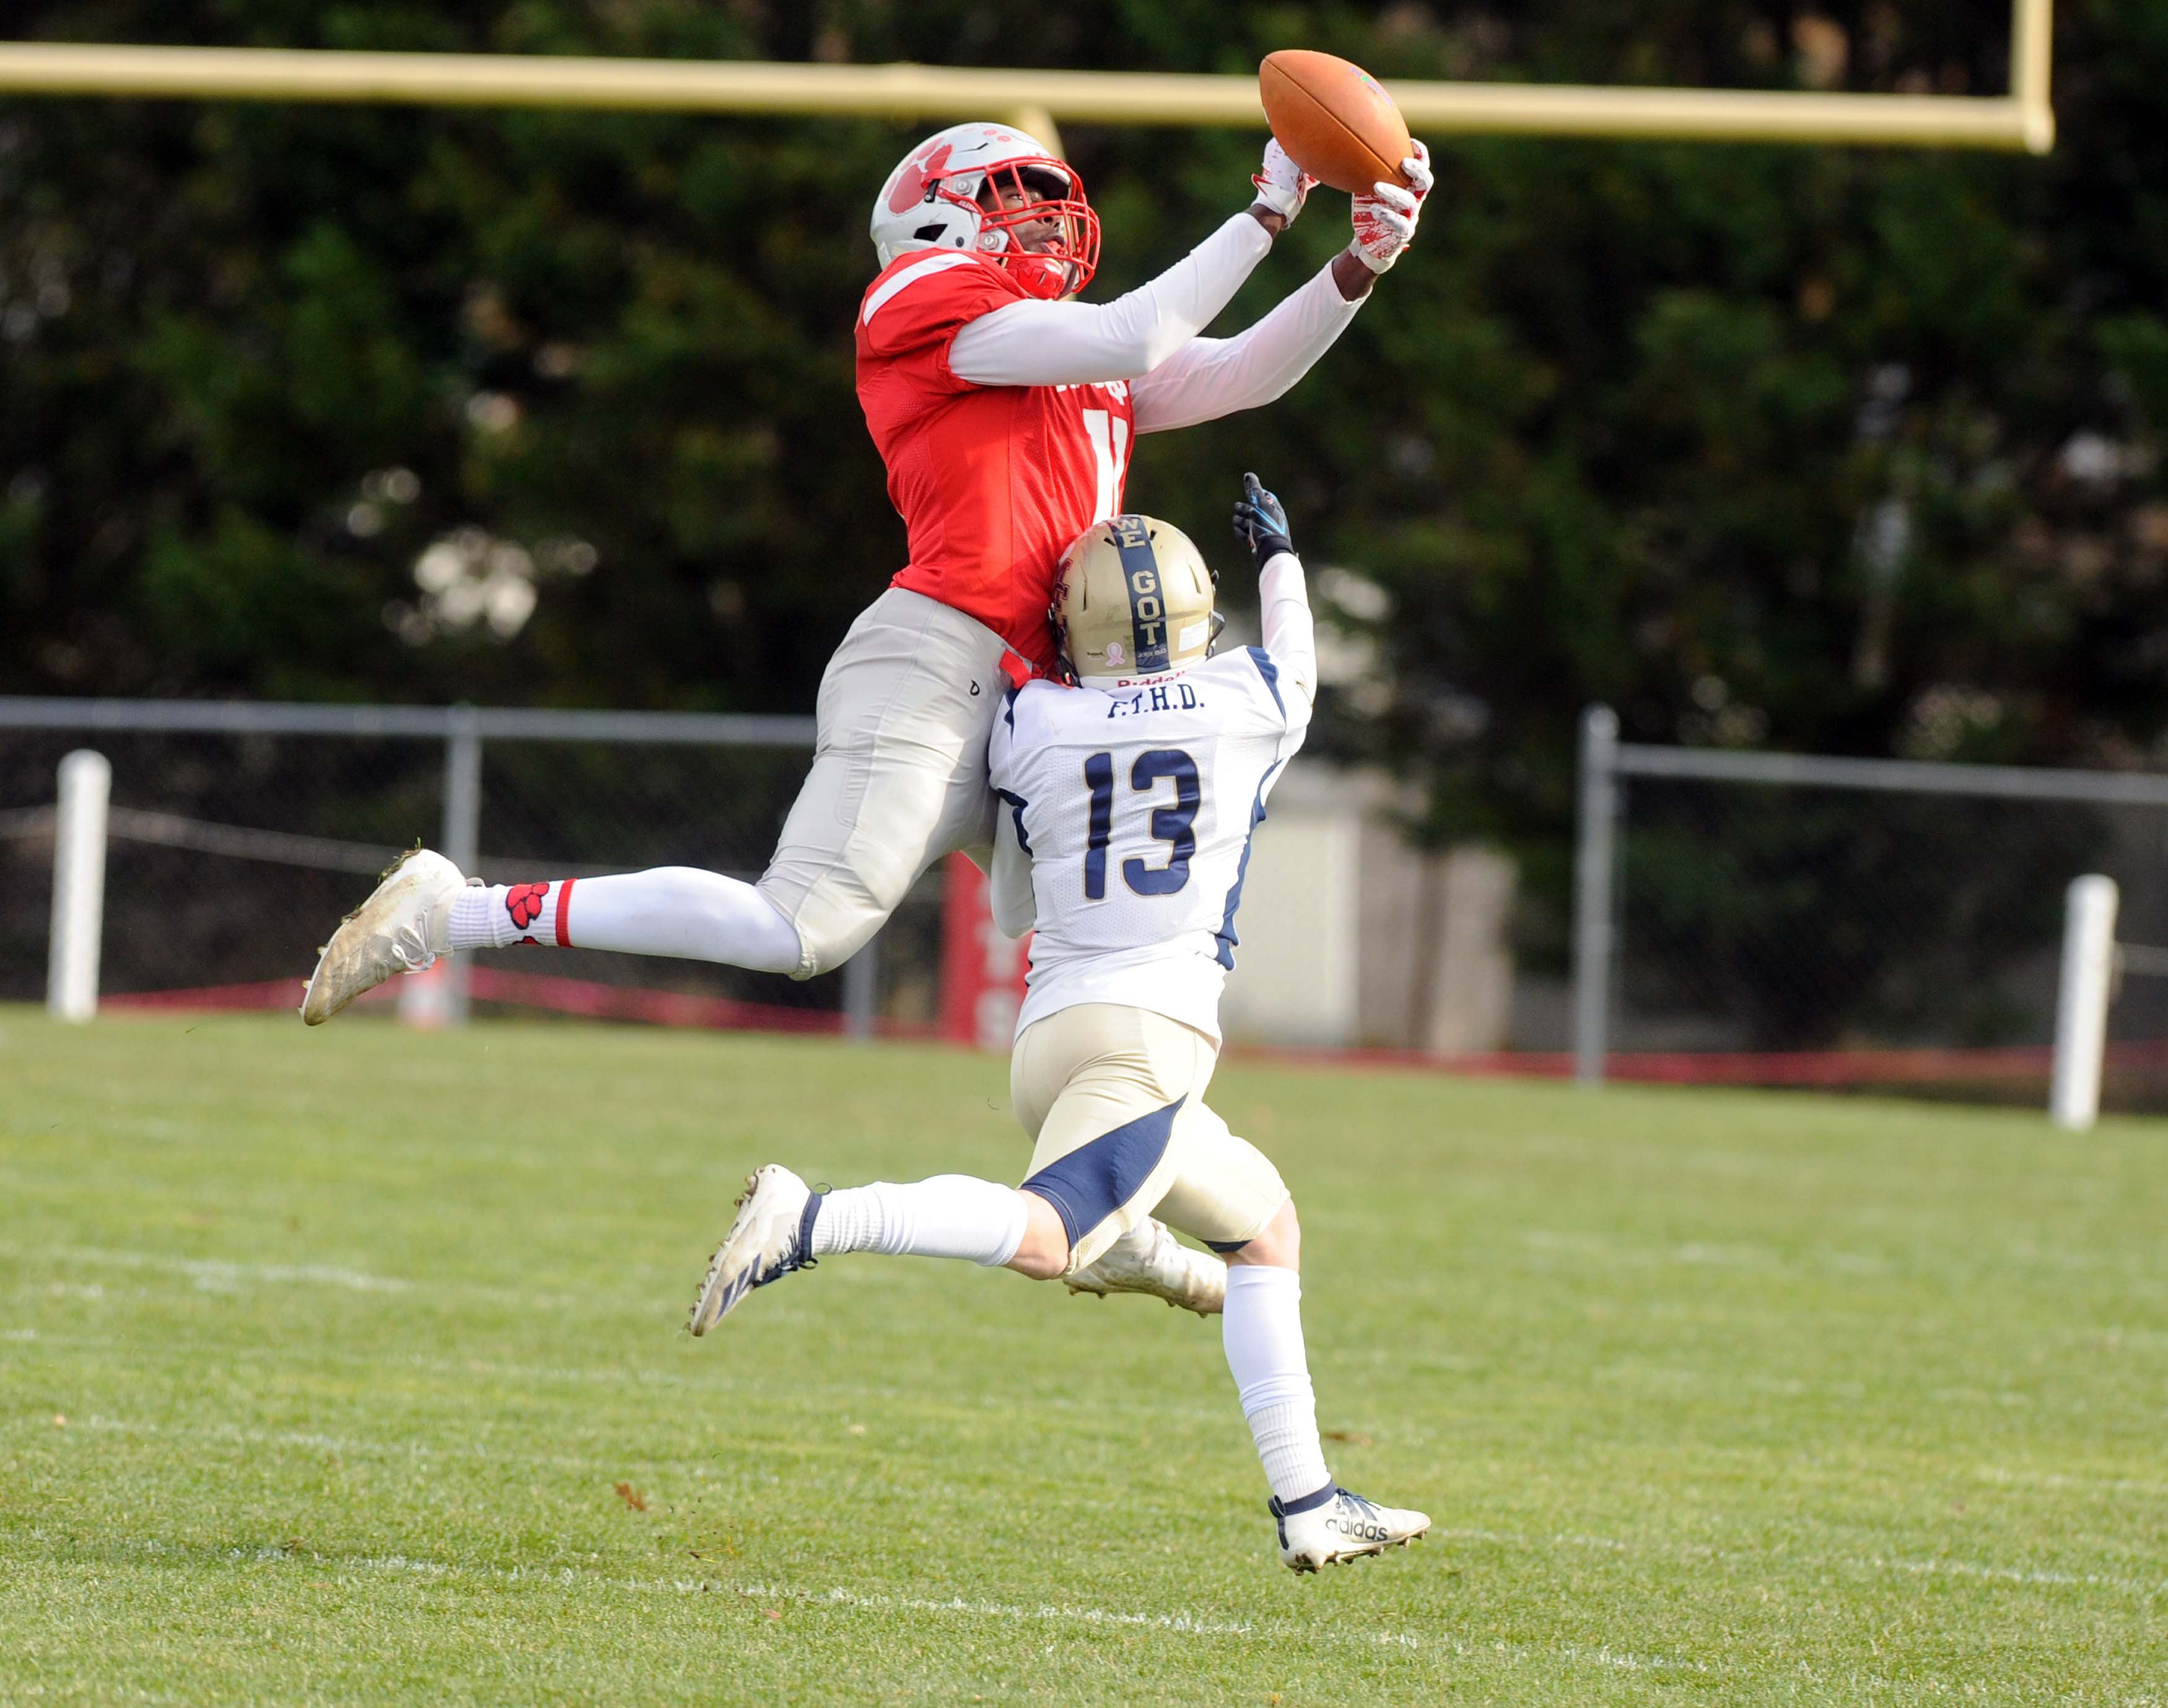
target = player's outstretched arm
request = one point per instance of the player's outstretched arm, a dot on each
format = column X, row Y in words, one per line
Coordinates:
column 1208, row 378
column 1261, row 525
column 1076, row 343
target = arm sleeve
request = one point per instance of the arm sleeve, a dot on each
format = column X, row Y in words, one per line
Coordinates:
column 1015, row 908
column 1027, row 342
column 1208, row 378
column 1290, row 634
column 1009, row 877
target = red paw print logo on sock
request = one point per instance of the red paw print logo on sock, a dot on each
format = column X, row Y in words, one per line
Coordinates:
column 523, row 902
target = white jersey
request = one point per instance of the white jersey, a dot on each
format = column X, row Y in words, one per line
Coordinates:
column 1136, row 807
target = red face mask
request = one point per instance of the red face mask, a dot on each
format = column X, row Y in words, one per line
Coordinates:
column 1062, row 231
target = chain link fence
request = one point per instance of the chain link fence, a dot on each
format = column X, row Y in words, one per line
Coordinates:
column 240, row 834
column 1856, row 922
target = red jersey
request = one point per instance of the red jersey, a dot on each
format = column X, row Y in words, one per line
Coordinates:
column 993, row 482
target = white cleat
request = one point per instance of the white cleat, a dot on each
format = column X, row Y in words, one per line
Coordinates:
column 402, row 927
column 1149, row 1259
column 772, row 1237
column 1333, row 1525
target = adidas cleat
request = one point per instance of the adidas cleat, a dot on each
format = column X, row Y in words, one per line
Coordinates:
column 1332, row 1525
column 772, row 1237
column 1149, row 1259
column 402, row 927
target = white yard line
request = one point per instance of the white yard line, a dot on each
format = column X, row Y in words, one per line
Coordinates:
column 1182, row 1624
column 222, row 1270
column 1714, row 1556
column 2010, row 1574
column 1978, row 1570
column 305, row 1440
column 216, row 1275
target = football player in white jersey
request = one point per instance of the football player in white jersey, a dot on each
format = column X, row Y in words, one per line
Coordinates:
column 1130, row 801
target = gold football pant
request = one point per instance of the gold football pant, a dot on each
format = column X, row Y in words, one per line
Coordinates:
column 1114, row 1099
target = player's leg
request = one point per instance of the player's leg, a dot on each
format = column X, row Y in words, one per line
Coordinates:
column 1229, row 1194
column 1144, row 1258
column 906, row 711
column 898, row 779
column 783, row 1226
column 1098, row 1087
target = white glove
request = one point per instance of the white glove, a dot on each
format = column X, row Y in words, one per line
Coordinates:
column 1385, row 214
column 1281, row 183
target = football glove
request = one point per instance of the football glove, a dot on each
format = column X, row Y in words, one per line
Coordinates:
column 1282, row 184
column 1261, row 522
column 1385, row 214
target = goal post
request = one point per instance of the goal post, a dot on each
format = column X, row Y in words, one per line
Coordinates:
column 2022, row 120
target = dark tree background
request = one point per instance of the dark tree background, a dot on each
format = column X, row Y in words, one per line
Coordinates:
column 1846, row 450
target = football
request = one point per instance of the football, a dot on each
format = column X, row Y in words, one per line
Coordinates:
column 1333, row 118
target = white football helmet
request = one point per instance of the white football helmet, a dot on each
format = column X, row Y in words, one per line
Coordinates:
column 991, row 189
column 1133, row 601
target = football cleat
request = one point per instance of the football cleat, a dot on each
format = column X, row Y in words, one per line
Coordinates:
column 1332, row 1525
column 772, row 1237
column 402, row 927
column 1149, row 1259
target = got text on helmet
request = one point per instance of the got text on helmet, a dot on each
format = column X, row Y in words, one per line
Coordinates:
column 1133, row 600
column 993, row 190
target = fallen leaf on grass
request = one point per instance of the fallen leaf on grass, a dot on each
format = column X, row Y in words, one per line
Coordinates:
column 631, row 1497
column 1347, row 1435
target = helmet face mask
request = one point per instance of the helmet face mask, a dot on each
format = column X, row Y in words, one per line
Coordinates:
column 997, row 192
column 1133, row 602
column 1048, row 243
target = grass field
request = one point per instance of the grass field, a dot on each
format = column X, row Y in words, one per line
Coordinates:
column 350, row 1365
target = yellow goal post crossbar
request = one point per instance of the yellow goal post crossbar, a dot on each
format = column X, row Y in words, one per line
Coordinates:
column 2022, row 120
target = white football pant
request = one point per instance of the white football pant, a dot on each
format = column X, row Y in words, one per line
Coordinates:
column 899, row 779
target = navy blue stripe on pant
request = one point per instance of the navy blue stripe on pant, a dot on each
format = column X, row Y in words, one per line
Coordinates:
column 1096, row 1180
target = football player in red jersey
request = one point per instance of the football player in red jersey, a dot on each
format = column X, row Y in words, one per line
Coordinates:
column 1006, row 411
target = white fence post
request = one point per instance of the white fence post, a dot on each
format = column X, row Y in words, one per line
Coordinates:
column 861, row 992
column 438, row 998
column 86, row 788
column 1594, row 853
column 2081, row 1003
column 462, row 845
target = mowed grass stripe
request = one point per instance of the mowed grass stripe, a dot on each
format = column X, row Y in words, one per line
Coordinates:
column 1759, row 1397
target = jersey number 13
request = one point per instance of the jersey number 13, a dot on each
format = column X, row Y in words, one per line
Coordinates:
column 1174, row 825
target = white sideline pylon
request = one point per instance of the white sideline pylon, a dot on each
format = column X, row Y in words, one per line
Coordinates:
column 2081, row 1003
column 86, row 791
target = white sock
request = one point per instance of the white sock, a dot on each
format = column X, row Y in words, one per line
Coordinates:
column 504, row 914
column 1262, row 1334
column 948, row 1215
column 675, row 910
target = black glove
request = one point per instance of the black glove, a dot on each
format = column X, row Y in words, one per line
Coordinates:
column 1261, row 522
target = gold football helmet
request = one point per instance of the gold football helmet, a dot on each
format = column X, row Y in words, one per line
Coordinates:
column 1132, row 598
